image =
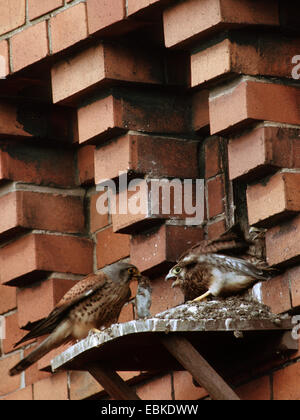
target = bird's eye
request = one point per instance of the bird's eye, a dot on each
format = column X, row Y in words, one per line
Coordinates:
column 177, row 270
column 131, row 270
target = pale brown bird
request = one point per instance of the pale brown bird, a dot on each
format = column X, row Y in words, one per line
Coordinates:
column 94, row 302
column 218, row 267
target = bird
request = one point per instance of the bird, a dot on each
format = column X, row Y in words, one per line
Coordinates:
column 94, row 302
column 219, row 267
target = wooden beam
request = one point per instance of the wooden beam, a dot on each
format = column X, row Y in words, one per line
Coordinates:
column 112, row 382
column 199, row 368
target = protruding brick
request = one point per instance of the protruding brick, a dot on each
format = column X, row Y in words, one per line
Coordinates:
column 276, row 294
column 12, row 15
column 143, row 154
column 236, row 56
column 85, row 163
column 102, row 65
column 21, row 210
column 29, row 46
column 214, row 151
column 133, row 110
column 283, row 242
column 200, row 110
column 145, row 7
column 261, row 151
column 68, row 27
column 218, row 15
column 294, row 276
column 8, row 299
column 273, row 199
column 97, row 220
column 31, row 164
column 216, row 196
column 249, row 101
column 9, row 383
column 111, row 247
column 35, row 303
column 24, row 260
column 159, row 248
column 37, row 8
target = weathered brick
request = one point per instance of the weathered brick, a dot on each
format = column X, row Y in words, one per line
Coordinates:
column 145, row 7
column 200, row 110
column 133, row 110
column 273, row 199
column 32, row 164
column 159, row 248
column 275, row 294
column 294, row 278
column 4, row 59
column 9, row 383
column 29, row 46
column 216, row 229
column 21, row 210
column 102, row 65
column 213, row 157
column 12, row 332
column 36, row 302
column 97, row 220
column 249, row 101
column 24, row 394
column 53, row 388
column 285, row 383
column 85, row 165
column 216, row 196
column 261, row 151
column 23, row 261
column 283, row 242
column 68, row 27
column 12, row 15
column 219, row 15
column 8, row 299
column 37, row 8
column 258, row 56
column 111, row 247
column 143, row 154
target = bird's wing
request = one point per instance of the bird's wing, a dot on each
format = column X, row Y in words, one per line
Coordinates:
column 80, row 291
column 238, row 265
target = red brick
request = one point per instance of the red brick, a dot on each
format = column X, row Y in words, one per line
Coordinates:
column 257, row 390
column 283, row 242
column 23, row 260
column 8, row 383
column 102, row 65
column 97, row 220
column 249, row 101
column 273, row 199
column 36, row 302
column 8, row 299
column 53, row 388
column 133, row 110
column 142, row 154
column 68, row 27
column 29, row 46
column 83, row 385
column 231, row 56
column 145, row 6
column 4, row 59
column 262, row 150
column 200, row 110
column 12, row 332
column 12, row 15
column 156, row 389
column 184, row 389
column 33, row 374
column 294, row 276
column 49, row 122
column 31, row 164
column 25, row 209
column 37, row 8
column 163, row 296
column 148, row 203
column 216, row 196
column 213, row 157
column 219, row 15
column 24, row 394
column 216, row 229
column 158, row 248
column 111, row 247
column 85, row 164
column 286, row 383
column 276, row 294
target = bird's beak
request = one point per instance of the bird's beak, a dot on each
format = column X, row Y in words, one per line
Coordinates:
column 169, row 276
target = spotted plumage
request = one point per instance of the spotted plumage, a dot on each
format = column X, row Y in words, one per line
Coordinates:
column 93, row 303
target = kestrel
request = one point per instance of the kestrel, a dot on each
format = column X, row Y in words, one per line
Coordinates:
column 94, row 302
column 219, row 267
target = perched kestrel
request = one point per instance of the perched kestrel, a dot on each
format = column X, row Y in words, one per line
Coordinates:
column 94, row 302
column 223, row 266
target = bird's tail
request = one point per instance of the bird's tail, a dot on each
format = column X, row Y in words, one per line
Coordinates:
column 59, row 336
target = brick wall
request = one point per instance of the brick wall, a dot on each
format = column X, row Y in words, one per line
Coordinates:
column 175, row 89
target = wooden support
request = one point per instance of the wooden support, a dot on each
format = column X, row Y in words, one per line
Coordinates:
column 112, row 382
column 199, row 368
